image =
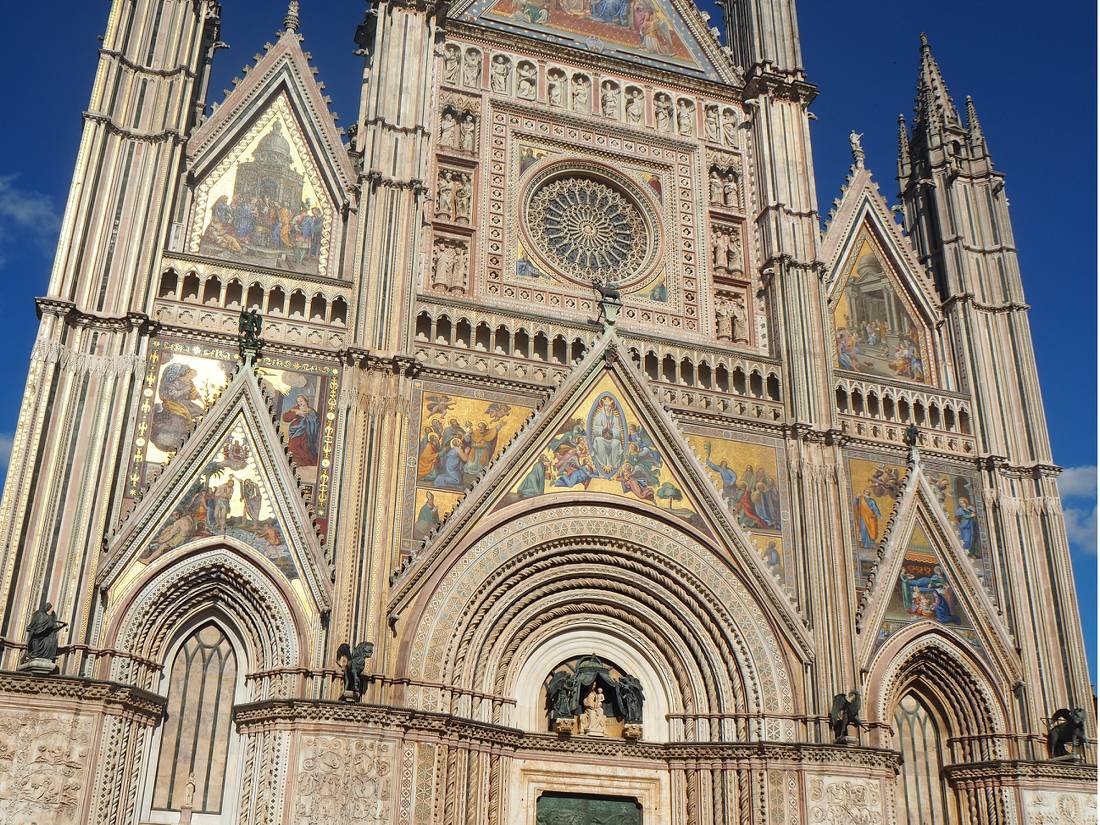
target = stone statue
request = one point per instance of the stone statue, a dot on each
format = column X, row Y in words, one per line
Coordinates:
column 464, row 191
column 729, row 127
column 444, row 266
column 609, row 101
column 739, row 321
column 580, row 94
column 526, row 81
column 594, row 720
column 352, row 661
column 630, row 699
column 1067, row 732
column 459, row 271
column 471, row 68
column 554, row 83
column 662, row 113
column 447, row 127
column 844, row 712
column 635, row 107
column 500, row 73
column 450, row 65
column 685, row 117
column 855, row 141
column 720, row 245
column 710, row 122
column 444, row 196
column 729, row 190
column 468, row 131
column 42, row 640
column 715, row 187
column 250, row 326
column 723, row 319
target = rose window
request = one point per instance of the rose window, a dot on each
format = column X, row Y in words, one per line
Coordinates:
column 589, row 230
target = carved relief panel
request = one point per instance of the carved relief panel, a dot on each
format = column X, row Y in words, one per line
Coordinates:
column 44, row 759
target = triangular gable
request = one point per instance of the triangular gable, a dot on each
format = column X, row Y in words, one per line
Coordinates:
column 639, row 451
column 230, row 479
column 668, row 35
column 925, row 577
column 603, row 446
column 273, row 178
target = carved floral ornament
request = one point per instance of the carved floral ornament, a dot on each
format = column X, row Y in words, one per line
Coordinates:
column 589, row 227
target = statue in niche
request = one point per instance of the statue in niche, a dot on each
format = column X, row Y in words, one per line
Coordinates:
column 594, row 720
column 468, row 132
column 662, row 113
column 720, row 246
column 444, row 196
column 352, row 660
column 450, row 65
column 554, row 83
column 843, row 714
column 471, row 68
column 731, row 319
column 580, row 93
column 463, row 195
column 1067, row 733
column 729, row 127
column 610, row 101
column 443, row 271
column 685, row 118
column 715, row 187
column 526, row 81
column 710, row 122
column 447, row 127
column 500, row 73
column 729, row 189
column 42, row 632
column 635, row 107
column 631, row 697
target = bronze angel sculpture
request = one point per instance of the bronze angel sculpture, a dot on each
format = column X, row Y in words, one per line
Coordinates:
column 353, row 660
column 844, row 712
column 1067, row 731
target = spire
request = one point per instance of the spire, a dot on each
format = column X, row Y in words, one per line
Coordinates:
column 934, row 107
column 972, row 123
column 903, row 147
column 292, row 20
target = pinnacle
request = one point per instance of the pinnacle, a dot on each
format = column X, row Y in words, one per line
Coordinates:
column 293, row 17
column 934, row 106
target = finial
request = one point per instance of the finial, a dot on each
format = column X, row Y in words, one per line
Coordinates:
column 855, row 140
column 924, row 40
column 972, row 123
column 292, row 20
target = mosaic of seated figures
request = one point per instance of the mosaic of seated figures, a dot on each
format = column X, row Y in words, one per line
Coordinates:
column 603, row 447
column 459, row 437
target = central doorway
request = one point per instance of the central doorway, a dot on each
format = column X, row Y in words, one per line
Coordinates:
column 558, row 808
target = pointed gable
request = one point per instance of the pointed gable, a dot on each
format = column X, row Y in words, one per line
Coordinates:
column 883, row 305
column 604, row 446
column 669, row 35
column 272, row 176
column 231, row 480
column 602, row 435
column 924, row 576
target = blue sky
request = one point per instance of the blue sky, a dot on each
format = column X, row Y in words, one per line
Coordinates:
column 1032, row 73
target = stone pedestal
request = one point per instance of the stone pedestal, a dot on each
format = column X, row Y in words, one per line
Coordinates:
column 38, row 667
column 632, row 730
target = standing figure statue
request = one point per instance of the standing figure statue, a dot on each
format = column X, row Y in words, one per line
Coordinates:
column 631, row 697
column 844, row 712
column 352, row 661
column 42, row 633
column 855, row 141
column 1067, row 732
column 594, row 719
column 250, row 326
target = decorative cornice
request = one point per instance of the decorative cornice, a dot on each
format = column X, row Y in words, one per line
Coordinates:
column 466, row 733
column 171, row 135
column 117, row 699
column 1011, row 772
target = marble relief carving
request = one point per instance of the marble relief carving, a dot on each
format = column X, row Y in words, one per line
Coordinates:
column 450, row 266
column 843, row 801
column 344, row 781
column 454, row 196
column 731, row 318
column 44, row 758
column 727, row 253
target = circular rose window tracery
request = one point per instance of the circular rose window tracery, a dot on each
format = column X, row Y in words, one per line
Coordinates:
column 588, row 229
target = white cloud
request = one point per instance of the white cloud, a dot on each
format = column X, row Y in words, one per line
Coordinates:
column 1078, row 482
column 1081, row 528
column 1078, row 486
column 26, row 216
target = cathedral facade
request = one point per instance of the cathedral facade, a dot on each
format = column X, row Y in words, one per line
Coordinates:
column 658, row 498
